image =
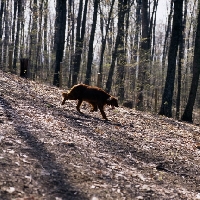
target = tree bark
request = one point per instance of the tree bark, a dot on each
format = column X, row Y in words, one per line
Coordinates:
column 79, row 41
column 166, row 42
column 16, row 49
column 104, row 38
column 121, row 56
column 90, row 52
column 59, row 37
column 144, row 57
column 187, row 115
column 181, row 61
column 112, row 66
column 33, row 39
column 45, row 43
column 166, row 106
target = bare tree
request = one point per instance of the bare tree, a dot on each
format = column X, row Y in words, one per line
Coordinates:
column 187, row 115
column 45, row 43
column 118, row 51
column 60, row 24
column 166, row 106
column 16, row 47
column 80, row 33
column 33, row 38
column 144, row 57
column 104, row 39
column 91, row 41
column 166, row 41
column 121, row 53
column 181, row 60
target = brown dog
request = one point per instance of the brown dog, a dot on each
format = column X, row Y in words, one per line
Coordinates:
column 97, row 97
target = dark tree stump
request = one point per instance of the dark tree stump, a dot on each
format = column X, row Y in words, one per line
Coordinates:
column 24, row 67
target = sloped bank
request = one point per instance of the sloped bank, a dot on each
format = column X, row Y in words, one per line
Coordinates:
column 49, row 151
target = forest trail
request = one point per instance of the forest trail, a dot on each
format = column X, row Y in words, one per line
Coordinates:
column 49, row 151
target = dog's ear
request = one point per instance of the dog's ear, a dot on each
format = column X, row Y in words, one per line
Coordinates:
column 108, row 101
column 114, row 102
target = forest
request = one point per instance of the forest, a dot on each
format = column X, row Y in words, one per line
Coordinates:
column 144, row 52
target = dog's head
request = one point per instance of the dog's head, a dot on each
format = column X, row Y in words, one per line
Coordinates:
column 65, row 96
column 112, row 101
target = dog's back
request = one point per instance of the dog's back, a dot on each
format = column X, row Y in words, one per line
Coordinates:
column 77, row 91
column 95, row 94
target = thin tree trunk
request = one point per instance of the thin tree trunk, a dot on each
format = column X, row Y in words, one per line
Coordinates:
column 71, row 21
column 187, row 115
column 1, row 18
column 181, row 60
column 33, row 40
column 166, row 42
column 46, row 60
column 59, row 38
column 39, row 42
column 69, row 45
column 79, row 41
column 121, row 56
column 166, row 106
column 14, row 20
column 1, row 32
column 90, row 52
column 7, row 34
column 144, row 60
column 152, row 27
column 22, row 34
column 112, row 66
column 16, row 49
column 104, row 39
column 135, row 48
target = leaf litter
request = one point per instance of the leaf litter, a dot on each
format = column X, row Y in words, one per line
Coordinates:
column 49, row 151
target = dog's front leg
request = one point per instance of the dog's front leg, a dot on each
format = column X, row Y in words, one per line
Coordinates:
column 78, row 105
column 102, row 112
column 94, row 107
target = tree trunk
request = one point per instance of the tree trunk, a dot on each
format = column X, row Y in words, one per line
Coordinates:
column 144, row 59
column 180, row 61
column 39, row 40
column 45, row 43
column 79, row 41
column 71, row 48
column 135, row 48
column 90, row 52
column 121, row 56
column 112, row 66
column 6, row 36
column 104, row 41
column 166, row 106
column 1, row 18
column 16, row 49
column 166, row 42
column 187, row 115
column 59, row 37
column 14, row 21
column 1, row 32
column 33, row 40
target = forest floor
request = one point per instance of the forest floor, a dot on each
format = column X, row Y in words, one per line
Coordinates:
column 49, row 151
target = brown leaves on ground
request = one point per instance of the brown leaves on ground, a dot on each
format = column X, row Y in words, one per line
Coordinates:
column 49, row 151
